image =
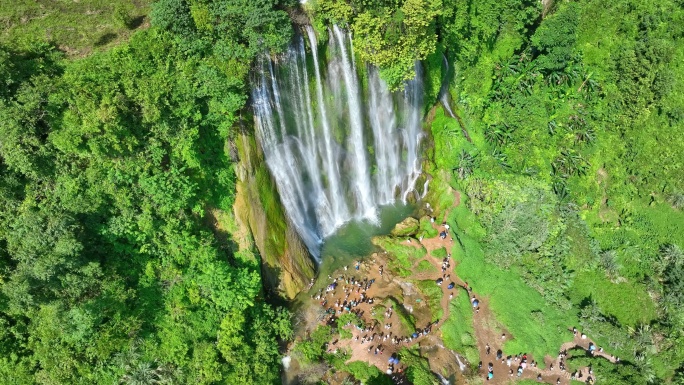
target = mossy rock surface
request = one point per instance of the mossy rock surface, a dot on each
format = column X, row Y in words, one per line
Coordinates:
column 407, row 227
column 426, row 229
column 404, row 253
column 440, row 253
column 287, row 265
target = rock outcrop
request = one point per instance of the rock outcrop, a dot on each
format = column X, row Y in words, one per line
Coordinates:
column 287, row 266
column 408, row 226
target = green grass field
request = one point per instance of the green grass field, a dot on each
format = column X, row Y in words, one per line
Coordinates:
column 75, row 27
column 440, row 253
column 457, row 330
column 537, row 327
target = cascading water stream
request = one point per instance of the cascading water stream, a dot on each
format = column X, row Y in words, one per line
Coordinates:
column 366, row 205
column 340, row 211
column 336, row 150
column 444, row 89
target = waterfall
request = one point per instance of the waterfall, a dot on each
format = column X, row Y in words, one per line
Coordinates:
column 340, row 211
column 444, row 89
column 336, row 147
column 361, row 173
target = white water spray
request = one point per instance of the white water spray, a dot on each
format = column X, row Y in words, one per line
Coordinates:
column 337, row 151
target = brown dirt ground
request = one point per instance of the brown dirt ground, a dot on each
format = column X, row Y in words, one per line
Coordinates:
column 442, row 360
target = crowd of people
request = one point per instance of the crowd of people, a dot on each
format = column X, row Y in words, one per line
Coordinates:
column 518, row 363
column 346, row 293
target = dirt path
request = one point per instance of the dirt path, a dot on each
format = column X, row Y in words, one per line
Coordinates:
column 491, row 333
column 383, row 335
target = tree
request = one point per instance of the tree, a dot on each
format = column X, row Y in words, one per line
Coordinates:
column 235, row 30
column 466, row 164
column 554, row 40
column 394, row 39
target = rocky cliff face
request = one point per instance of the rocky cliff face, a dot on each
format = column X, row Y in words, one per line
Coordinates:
column 287, row 266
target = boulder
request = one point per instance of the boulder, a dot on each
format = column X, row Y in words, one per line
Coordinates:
column 408, row 226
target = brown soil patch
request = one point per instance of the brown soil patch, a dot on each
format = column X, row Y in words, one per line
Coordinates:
column 376, row 343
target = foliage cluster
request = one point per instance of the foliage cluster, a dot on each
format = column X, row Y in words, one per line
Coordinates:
column 109, row 269
column 367, row 374
column 418, row 369
column 392, row 35
column 313, row 348
column 573, row 171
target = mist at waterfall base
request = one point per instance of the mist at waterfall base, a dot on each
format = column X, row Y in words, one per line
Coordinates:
column 342, row 148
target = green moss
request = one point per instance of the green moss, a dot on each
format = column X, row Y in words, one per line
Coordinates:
column 463, row 220
column 276, row 225
column 426, row 229
column 426, row 267
column 439, row 194
column 434, row 295
column 408, row 321
column 405, row 254
column 440, row 253
column 457, row 331
column 407, row 227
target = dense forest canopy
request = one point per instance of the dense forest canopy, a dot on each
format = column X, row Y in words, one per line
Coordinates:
column 110, row 270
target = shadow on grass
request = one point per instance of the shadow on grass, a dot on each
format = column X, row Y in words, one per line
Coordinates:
column 105, row 39
column 135, row 22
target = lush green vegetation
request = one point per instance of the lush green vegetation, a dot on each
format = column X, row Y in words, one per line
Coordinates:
column 404, row 253
column 426, row 230
column 418, row 371
column 110, row 269
column 75, row 27
column 426, row 267
column 440, row 253
column 313, row 348
column 572, row 168
column 457, row 330
column 408, row 321
column 367, row 374
column 567, row 151
column 434, row 297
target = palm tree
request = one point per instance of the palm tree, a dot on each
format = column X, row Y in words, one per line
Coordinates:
column 499, row 134
column 560, row 188
column 466, row 164
column 585, row 135
column 670, row 255
column 610, row 265
column 553, row 78
column 502, row 158
column 676, row 199
column 591, row 313
column 569, row 163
